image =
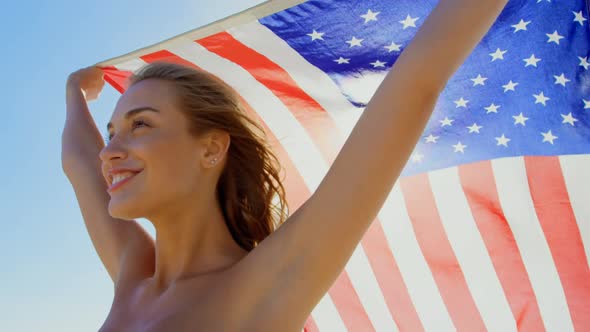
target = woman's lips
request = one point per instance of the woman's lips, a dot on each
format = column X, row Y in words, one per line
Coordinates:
column 117, row 185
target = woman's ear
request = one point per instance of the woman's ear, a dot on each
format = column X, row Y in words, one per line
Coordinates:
column 216, row 145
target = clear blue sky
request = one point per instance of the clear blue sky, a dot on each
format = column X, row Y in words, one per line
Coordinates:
column 51, row 279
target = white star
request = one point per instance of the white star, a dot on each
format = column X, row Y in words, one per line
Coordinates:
column 393, row 47
column 520, row 119
column 342, row 60
column 316, row 35
column 417, row 157
column 586, row 103
column 461, row 102
column 521, row 25
column 370, row 16
column 532, row 61
column 355, row 42
column 542, row 0
column 584, row 62
column 479, row 80
column 561, row 79
column 540, row 98
column 568, row 118
column 409, row 22
column 498, row 54
column 378, row 64
column 579, row 17
column 509, row 86
column 548, row 137
column 459, row 147
column 474, row 128
column 503, row 140
column 431, row 138
column 554, row 37
column 493, row 108
column 446, row 121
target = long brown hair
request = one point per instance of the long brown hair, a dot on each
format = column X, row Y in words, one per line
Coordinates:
column 249, row 182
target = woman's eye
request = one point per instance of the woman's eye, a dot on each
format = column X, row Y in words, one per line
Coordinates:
column 135, row 125
column 138, row 121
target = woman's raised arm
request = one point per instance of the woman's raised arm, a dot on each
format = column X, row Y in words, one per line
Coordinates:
column 300, row 261
column 122, row 245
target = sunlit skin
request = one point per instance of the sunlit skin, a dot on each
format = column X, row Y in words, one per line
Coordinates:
column 195, row 277
column 176, row 189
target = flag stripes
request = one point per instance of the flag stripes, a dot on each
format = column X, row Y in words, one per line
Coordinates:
column 419, row 266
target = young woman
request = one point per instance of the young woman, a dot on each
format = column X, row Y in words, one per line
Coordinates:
column 183, row 155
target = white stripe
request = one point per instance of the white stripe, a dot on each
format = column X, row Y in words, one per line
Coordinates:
column 131, row 65
column 576, row 173
column 300, row 148
column 517, row 204
column 306, row 75
column 415, row 272
column 366, row 285
column 470, row 250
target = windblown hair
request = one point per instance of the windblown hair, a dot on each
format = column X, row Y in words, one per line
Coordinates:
column 250, row 179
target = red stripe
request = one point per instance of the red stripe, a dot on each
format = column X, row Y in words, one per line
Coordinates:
column 316, row 121
column 558, row 222
column 390, row 279
column 438, row 253
column 479, row 186
column 116, row 78
column 301, row 105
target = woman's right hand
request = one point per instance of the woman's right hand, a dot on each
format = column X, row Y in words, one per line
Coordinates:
column 90, row 80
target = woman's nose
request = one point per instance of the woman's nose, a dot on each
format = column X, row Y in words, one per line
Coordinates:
column 112, row 150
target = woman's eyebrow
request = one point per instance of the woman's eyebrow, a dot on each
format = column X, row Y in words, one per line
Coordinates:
column 134, row 111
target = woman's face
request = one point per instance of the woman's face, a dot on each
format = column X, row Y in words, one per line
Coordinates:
column 156, row 143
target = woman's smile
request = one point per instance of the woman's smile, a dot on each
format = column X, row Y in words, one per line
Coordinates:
column 117, row 185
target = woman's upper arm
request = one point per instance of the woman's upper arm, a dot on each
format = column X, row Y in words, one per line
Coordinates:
column 120, row 244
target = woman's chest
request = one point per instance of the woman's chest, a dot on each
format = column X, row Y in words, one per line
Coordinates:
column 181, row 311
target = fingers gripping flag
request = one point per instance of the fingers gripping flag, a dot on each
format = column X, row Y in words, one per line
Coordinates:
column 488, row 227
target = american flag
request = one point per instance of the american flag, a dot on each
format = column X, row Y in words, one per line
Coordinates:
column 488, row 227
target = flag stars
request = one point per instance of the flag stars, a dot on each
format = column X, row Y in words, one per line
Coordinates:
column 417, row 157
column 409, row 22
column 586, row 103
column 354, row 42
column 584, row 62
column 342, row 60
column 479, row 80
column 554, row 37
column 531, row 61
column 474, row 128
column 541, row 98
column 431, row 138
column 561, row 79
column 461, row 102
column 548, row 137
column 502, row 140
column 393, row 47
column 316, row 35
column 521, row 25
column 493, row 108
column 520, row 119
column 446, row 122
column 499, row 54
column 509, row 86
column 568, row 118
column 378, row 63
column 370, row 16
column 459, row 147
column 579, row 17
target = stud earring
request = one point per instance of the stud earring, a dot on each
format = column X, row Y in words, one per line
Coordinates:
column 214, row 161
